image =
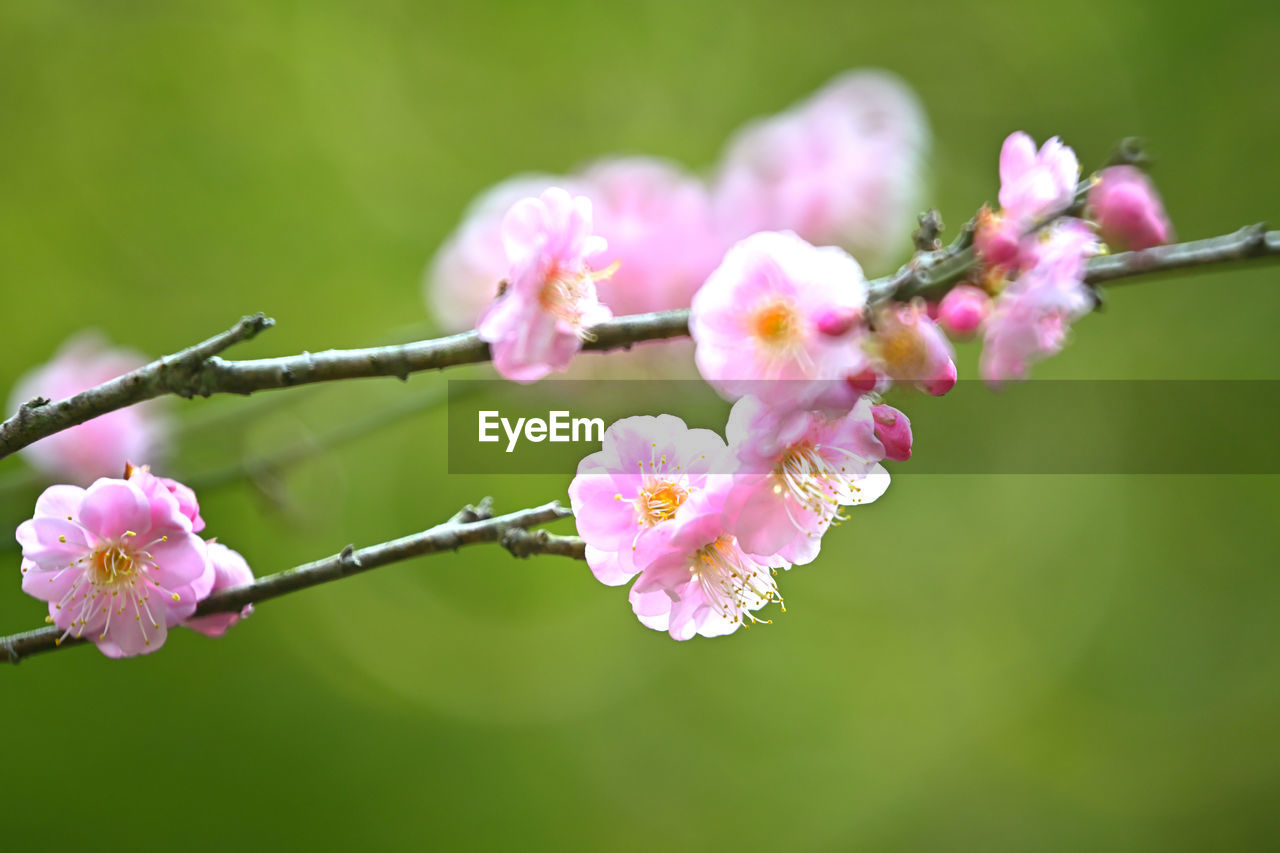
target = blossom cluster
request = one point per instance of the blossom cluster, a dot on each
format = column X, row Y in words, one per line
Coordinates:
column 1033, row 257
column 789, row 331
column 121, row 562
column 702, row 525
column 844, row 167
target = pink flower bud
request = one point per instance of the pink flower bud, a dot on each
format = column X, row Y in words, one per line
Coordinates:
column 836, row 321
column 943, row 381
column 893, row 429
column 963, row 309
column 913, row 349
column 1128, row 209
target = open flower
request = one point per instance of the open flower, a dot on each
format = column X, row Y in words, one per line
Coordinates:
column 795, row 470
column 1033, row 314
column 99, row 447
column 117, row 565
column 761, row 320
column 639, row 481
column 1035, row 184
column 845, row 167
column 909, row 347
column 542, row 318
column 698, row 579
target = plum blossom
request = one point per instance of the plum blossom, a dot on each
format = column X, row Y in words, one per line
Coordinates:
column 639, row 481
column 658, row 222
column 1033, row 185
column 462, row 278
column 795, row 470
column 117, row 564
column 909, row 347
column 99, row 447
column 1128, row 210
column 550, row 302
column 697, row 578
column 656, row 217
column 762, row 316
column 1032, row 315
column 845, row 168
column 150, row 483
column 229, row 571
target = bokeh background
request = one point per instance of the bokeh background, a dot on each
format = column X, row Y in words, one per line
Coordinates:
column 981, row 662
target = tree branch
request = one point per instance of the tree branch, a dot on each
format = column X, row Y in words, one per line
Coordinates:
column 199, row 370
column 470, row 526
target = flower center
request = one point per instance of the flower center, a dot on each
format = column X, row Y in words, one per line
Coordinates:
column 733, row 582
column 658, row 503
column 775, row 324
column 903, row 351
column 568, row 295
column 807, row 477
column 112, row 565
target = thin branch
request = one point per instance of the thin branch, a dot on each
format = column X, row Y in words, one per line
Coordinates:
column 1253, row 241
column 472, row 525
column 172, row 374
column 199, row 371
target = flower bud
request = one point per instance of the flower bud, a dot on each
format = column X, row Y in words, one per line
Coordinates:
column 963, row 309
column 893, row 429
column 1128, row 210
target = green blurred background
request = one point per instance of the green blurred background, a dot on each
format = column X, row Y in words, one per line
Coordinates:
column 999, row 662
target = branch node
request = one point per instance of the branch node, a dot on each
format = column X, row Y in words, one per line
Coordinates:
column 12, row 651
column 926, row 236
column 347, row 556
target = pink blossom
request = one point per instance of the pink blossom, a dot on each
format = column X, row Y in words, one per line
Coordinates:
column 1035, row 185
column 550, row 302
column 462, row 278
column 1128, row 209
column 911, row 348
column 149, row 483
column 117, row 565
column 698, row 579
column 795, row 470
column 639, row 481
column 893, row 431
column 964, row 308
column 756, row 320
column 102, row 446
column 1032, row 315
column 229, row 571
column 845, row 167
column 658, row 223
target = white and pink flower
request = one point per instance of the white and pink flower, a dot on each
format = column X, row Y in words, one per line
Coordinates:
column 907, row 346
column 763, row 324
column 550, row 303
column 795, row 469
column 117, row 563
column 100, row 447
column 845, row 168
column 1033, row 314
column 697, row 578
column 646, row 471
